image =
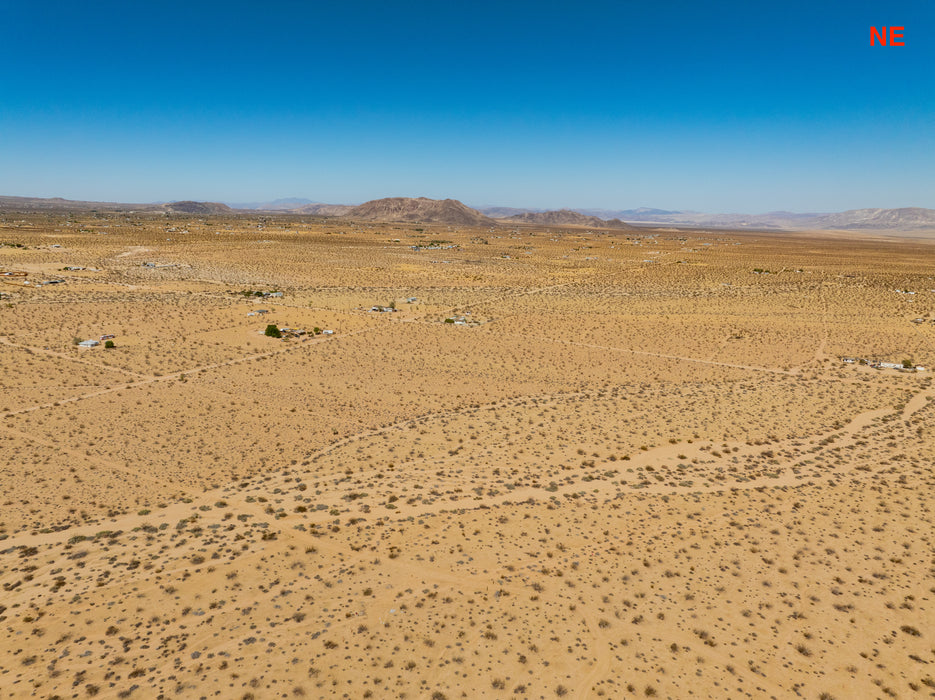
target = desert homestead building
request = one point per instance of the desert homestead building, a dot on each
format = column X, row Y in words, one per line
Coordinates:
column 889, row 365
column 293, row 332
column 89, row 343
column 877, row 364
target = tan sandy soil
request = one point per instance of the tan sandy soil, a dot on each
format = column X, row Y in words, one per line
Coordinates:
column 622, row 479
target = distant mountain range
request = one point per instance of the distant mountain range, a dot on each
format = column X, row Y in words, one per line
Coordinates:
column 639, row 214
column 566, row 217
column 284, row 204
column 879, row 219
column 57, row 204
column 187, row 207
column 323, row 209
column 905, row 219
column 451, row 211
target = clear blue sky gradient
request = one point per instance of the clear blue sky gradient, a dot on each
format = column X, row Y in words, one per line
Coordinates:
column 712, row 106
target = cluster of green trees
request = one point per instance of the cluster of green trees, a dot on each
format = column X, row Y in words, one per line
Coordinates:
column 272, row 330
column 257, row 293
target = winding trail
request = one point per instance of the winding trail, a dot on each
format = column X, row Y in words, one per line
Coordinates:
column 291, row 347
column 4, row 340
column 598, row 489
column 666, row 356
column 92, row 459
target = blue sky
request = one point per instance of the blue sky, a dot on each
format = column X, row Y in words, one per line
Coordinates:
column 712, row 106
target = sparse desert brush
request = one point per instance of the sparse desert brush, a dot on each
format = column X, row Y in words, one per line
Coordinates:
column 495, row 437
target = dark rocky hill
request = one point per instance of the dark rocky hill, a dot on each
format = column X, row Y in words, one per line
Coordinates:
column 419, row 209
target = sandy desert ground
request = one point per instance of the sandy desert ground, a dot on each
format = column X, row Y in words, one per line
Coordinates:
column 636, row 465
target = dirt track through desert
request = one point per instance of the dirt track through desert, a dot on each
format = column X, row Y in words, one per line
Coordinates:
column 562, row 470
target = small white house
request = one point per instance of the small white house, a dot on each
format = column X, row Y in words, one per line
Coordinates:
column 326, row 332
column 89, row 343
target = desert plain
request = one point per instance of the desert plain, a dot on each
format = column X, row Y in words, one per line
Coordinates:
column 563, row 462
